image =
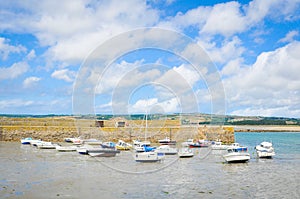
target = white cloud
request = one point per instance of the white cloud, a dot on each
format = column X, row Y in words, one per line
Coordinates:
column 153, row 105
column 272, row 84
column 31, row 55
column 64, row 74
column 15, row 103
column 289, row 37
column 30, row 81
column 6, row 49
column 14, row 71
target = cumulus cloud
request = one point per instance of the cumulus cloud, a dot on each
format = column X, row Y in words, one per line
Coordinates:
column 64, row 74
column 30, row 81
column 14, row 71
column 269, row 86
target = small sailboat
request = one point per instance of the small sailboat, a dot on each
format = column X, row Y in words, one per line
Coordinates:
column 121, row 145
column 145, row 155
column 167, row 150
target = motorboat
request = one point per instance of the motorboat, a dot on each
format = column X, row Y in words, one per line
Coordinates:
column 219, row 146
column 102, row 152
column 187, row 143
column 185, row 153
column 166, row 149
column 149, row 156
column 121, row 145
column 167, row 141
column 109, row 145
column 46, row 145
column 144, row 147
column 199, row 143
column 26, row 140
column 35, row 142
column 265, row 150
column 66, row 148
column 236, row 153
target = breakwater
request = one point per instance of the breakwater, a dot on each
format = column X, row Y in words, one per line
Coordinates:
column 57, row 128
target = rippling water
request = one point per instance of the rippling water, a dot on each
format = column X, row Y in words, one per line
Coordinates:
column 28, row 172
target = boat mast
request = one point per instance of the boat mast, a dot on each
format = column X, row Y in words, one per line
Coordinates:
column 146, row 124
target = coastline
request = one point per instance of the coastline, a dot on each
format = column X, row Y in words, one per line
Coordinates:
column 267, row 128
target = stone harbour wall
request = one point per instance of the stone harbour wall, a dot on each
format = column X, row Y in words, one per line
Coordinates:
column 56, row 129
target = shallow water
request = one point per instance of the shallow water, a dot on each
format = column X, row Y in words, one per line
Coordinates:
column 28, row 172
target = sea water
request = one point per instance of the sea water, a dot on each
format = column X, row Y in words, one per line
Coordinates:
column 28, row 172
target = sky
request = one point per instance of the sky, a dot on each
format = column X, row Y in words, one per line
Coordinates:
column 173, row 56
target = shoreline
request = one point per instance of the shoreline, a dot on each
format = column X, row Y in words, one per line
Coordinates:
column 266, row 128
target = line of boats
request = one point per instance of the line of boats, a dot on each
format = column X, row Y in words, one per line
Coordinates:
column 144, row 152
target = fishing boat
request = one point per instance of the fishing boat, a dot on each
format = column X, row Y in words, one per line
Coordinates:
column 26, row 140
column 121, row 145
column 265, row 150
column 236, row 153
column 166, row 149
column 219, row 146
column 185, row 153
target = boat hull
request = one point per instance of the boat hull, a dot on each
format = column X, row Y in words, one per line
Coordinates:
column 237, row 157
column 149, row 157
column 264, row 154
column 102, row 152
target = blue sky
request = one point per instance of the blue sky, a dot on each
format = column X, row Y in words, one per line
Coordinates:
column 253, row 45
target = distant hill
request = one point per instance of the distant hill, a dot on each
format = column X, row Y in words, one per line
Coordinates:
column 186, row 119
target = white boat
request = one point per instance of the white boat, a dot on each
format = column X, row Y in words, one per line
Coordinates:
column 150, row 156
column 35, row 142
column 166, row 149
column 26, row 140
column 167, row 141
column 236, row 153
column 219, row 146
column 187, row 143
column 185, row 153
column 66, row 148
column 147, row 153
column 265, row 150
column 121, row 145
column 102, row 152
column 46, row 145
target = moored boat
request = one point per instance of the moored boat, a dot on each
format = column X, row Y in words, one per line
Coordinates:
column 265, row 150
column 166, row 149
column 46, row 145
column 149, row 156
column 102, row 152
column 185, row 153
column 219, row 146
column 236, row 153
column 26, row 140
column 66, row 148
column 167, row 141
column 121, row 145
